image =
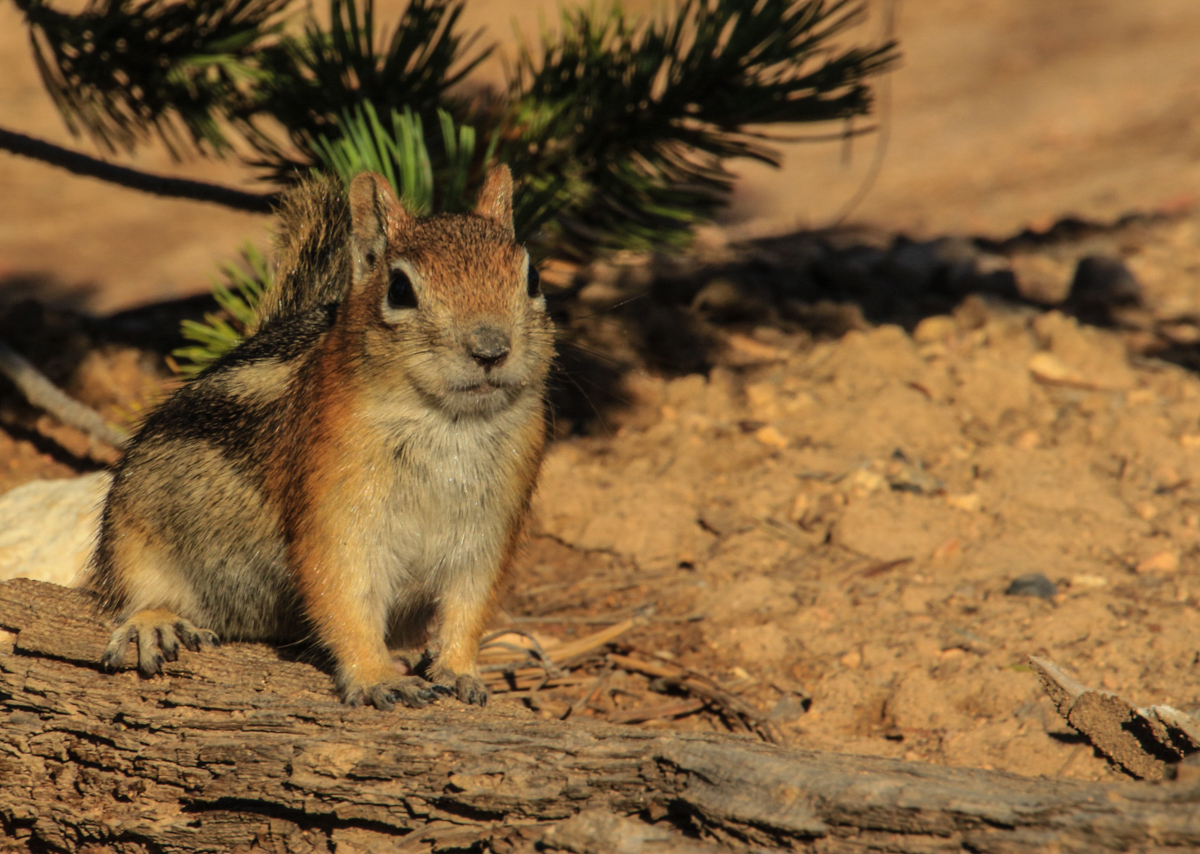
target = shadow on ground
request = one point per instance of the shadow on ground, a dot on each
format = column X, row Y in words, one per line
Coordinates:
column 680, row 315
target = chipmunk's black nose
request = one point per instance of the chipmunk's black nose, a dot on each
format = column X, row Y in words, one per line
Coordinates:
column 488, row 345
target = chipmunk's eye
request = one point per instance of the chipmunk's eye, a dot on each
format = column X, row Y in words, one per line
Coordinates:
column 533, row 281
column 400, row 291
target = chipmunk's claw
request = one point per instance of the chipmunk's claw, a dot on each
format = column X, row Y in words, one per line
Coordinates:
column 193, row 638
column 158, row 635
column 465, row 687
column 168, row 644
column 411, row 691
column 471, row 690
column 118, row 646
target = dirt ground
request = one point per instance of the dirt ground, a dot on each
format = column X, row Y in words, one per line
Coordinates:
column 854, row 475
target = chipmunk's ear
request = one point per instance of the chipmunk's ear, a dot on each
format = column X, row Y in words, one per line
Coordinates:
column 375, row 214
column 495, row 199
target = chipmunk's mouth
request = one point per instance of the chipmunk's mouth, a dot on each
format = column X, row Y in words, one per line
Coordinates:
column 481, row 389
column 484, row 388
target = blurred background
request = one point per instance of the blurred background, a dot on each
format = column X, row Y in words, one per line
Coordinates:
column 1003, row 115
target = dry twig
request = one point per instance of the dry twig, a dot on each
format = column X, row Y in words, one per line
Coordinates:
column 733, row 709
column 43, row 394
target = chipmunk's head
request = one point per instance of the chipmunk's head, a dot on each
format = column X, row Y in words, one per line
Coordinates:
column 450, row 302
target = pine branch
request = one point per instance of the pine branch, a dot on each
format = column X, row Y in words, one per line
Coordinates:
column 313, row 81
column 158, row 185
column 123, row 70
column 630, row 125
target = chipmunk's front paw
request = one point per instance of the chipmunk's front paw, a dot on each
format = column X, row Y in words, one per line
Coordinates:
column 468, row 689
column 158, row 635
column 412, row 691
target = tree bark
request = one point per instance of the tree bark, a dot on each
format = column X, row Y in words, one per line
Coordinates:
column 246, row 746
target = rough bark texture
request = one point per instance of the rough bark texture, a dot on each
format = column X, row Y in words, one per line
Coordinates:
column 1148, row 743
column 240, row 747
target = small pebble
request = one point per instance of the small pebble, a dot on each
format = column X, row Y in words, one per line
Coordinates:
column 1167, row 561
column 771, row 437
column 1042, row 278
column 1051, row 370
column 1101, row 282
column 970, row 502
column 788, row 710
column 939, row 327
column 1032, row 584
column 948, row 550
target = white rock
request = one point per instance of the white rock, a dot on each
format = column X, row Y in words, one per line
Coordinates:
column 48, row 528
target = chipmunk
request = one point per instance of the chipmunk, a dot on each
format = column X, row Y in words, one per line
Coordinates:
column 362, row 463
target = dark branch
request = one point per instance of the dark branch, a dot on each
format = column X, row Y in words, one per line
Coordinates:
column 159, row 185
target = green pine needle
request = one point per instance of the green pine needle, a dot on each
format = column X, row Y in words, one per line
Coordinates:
column 238, row 296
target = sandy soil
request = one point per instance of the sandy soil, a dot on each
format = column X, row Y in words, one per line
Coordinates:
column 895, row 517
column 812, row 466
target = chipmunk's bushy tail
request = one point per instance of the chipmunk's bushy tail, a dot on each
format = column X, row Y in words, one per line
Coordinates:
column 313, row 251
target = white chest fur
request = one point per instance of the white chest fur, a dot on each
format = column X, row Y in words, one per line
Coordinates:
column 447, row 512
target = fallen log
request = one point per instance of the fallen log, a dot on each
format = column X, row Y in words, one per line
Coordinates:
column 246, row 747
